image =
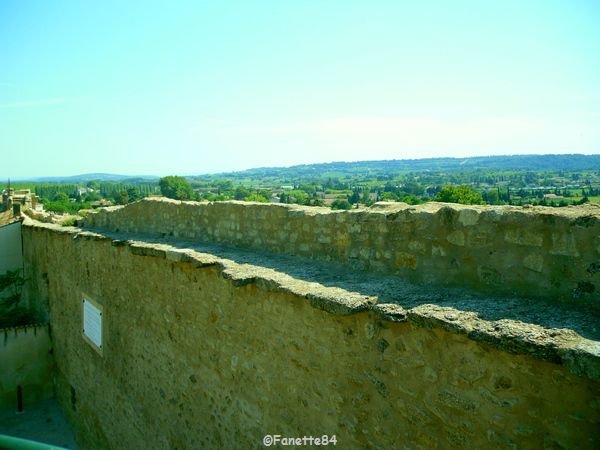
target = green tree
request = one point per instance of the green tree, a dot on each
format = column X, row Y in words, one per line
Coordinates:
column 256, row 197
column 92, row 196
column 492, row 197
column 355, row 197
column 297, row 196
column 314, row 201
column 121, row 197
column 411, row 199
column 176, row 187
column 388, row 197
column 366, row 198
column 133, row 194
column 93, row 184
column 459, row 194
column 60, row 197
column 341, row 203
column 241, row 193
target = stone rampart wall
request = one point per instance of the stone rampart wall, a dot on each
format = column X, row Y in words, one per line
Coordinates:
column 537, row 252
column 192, row 359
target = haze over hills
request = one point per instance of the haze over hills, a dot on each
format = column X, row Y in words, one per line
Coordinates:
column 91, row 176
column 378, row 167
column 398, row 166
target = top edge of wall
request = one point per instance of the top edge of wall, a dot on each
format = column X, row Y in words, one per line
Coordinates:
column 572, row 211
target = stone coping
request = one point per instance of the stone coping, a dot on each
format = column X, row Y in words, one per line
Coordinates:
column 551, row 341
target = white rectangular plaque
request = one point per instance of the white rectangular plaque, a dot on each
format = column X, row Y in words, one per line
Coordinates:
column 92, row 322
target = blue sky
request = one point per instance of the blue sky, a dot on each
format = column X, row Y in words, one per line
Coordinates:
column 196, row 87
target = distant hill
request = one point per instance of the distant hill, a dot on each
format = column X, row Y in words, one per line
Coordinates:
column 93, row 176
column 573, row 162
column 399, row 166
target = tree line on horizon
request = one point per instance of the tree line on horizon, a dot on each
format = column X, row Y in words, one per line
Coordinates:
column 180, row 188
column 342, row 189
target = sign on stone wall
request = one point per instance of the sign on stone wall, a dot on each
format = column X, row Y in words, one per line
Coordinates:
column 92, row 323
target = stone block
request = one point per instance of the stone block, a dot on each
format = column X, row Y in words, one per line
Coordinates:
column 417, row 247
column 534, row 261
column 406, row 260
column 564, row 244
column 524, row 237
column 456, row 237
column 468, row 217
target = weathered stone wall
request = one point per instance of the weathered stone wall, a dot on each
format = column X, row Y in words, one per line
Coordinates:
column 537, row 251
column 194, row 359
column 26, row 361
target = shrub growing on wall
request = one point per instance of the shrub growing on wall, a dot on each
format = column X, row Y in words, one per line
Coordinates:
column 12, row 312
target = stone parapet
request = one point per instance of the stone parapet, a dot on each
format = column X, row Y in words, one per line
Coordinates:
column 539, row 252
column 210, row 347
column 558, row 344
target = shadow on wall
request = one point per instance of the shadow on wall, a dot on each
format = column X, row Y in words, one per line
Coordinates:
column 27, row 366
